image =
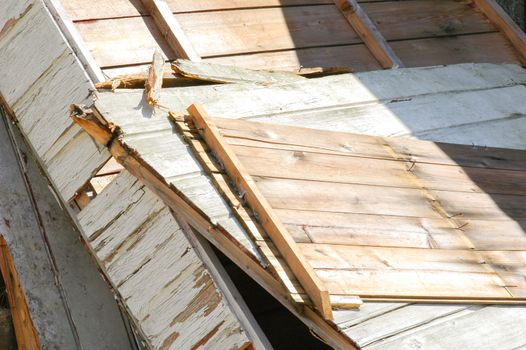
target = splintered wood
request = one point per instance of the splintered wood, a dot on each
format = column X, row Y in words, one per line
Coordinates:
column 381, row 218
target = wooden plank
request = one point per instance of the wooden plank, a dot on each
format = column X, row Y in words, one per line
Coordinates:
column 358, row 229
column 26, row 335
column 502, row 20
column 370, row 35
column 154, row 82
column 413, row 19
column 304, row 165
column 274, row 228
column 356, row 57
column 171, row 29
column 266, row 29
column 334, row 143
column 230, row 74
column 456, row 49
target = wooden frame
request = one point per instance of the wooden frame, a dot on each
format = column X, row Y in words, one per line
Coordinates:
column 505, row 24
column 269, row 221
column 370, row 35
column 170, row 29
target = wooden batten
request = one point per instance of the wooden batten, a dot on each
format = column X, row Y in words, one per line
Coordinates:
column 170, row 29
column 278, row 233
column 26, row 334
column 505, row 24
column 370, row 35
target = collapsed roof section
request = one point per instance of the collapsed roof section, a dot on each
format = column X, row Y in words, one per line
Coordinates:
column 468, row 102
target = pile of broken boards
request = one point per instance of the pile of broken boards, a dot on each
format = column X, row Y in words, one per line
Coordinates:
column 319, row 190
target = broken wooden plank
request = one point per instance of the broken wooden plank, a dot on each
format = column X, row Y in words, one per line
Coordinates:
column 502, row 20
column 26, row 334
column 219, row 73
column 154, row 82
column 370, row 35
column 278, row 233
column 170, row 29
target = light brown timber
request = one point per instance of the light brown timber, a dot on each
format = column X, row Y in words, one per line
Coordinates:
column 370, row 35
column 278, row 233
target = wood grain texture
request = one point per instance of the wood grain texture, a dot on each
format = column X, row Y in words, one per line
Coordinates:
column 279, row 235
column 170, row 29
column 137, row 241
column 26, row 335
column 370, row 35
column 402, row 20
column 337, row 187
column 456, row 49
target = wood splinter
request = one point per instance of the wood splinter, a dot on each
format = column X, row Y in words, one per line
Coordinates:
column 154, row 83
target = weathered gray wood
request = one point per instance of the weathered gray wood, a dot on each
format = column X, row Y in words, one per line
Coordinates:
column 230, row 74
column 70, row 287
column 495, row 327
column 139, row 244
column 34, row 86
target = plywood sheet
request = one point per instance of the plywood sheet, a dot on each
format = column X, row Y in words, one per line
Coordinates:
column 369, row 230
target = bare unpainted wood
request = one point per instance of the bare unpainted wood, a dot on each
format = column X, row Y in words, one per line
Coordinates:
column 154, row 82
column 502, row 20
column 170, row 29
column 370, row 35
column 229, row 74
column 307, row 277
column 26, row 334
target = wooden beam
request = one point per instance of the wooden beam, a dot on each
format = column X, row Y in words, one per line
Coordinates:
column 170, row 29
column 505, row 24
column 370, row 35
column 270, row 222
column 26, row 335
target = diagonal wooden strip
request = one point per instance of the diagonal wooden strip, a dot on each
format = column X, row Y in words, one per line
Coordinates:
column 277, row 232
column 170, row 29
column 370, row 35
column 502, row 20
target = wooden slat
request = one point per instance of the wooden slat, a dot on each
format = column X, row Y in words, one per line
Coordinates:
column 304, row 165
column 274, row 228
column 230, row 74
column 370, row 35
column 456, row 49
column 170, row 29
column 414, row 19
column 431, row 273
column 26, row 334
column 503, row 21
